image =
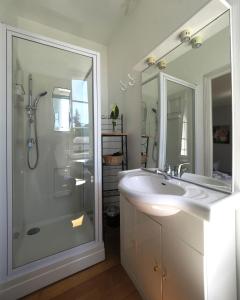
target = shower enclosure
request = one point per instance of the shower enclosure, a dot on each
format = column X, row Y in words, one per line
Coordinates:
column 50, row 161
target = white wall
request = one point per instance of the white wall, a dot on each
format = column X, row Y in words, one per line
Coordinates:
column 151, row 23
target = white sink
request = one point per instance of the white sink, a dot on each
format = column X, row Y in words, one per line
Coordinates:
column 151, row 194
column 154, row 195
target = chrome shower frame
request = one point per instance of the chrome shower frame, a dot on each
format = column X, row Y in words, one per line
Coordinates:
column 35, row 275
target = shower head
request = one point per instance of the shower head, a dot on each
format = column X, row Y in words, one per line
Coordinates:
column 38, row 98
column 43, row 94
column 154, row 110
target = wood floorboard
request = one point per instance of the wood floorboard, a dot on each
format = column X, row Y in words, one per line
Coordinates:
column 104, row 281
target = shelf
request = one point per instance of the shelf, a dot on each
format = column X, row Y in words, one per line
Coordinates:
column 115, row 166
column 109, row 196
column 113, row 141
column 111, row 190
column 116, row 133
column 110, row 175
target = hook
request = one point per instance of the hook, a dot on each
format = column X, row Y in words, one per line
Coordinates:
column 123, row 86
column 131, row 81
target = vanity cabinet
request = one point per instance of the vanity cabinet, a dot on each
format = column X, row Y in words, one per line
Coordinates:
column 183, row 270
column 148, row 255
column 179, row 257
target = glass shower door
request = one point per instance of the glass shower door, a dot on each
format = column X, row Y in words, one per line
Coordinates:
column 52, row 150
column 177, row 128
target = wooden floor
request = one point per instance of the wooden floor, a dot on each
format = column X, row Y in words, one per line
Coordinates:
column 104, row 281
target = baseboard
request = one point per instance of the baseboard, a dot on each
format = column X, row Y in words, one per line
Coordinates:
column 37, row 282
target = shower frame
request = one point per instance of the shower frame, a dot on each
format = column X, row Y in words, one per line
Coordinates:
column 25, row 279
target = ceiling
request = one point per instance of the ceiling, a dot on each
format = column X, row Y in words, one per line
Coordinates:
column 95, row 20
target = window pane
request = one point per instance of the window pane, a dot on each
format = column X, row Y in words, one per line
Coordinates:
column 61, row 114
column 79, row 90
column 80, row 115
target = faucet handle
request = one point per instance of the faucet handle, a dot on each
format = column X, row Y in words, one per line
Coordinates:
column 175, row 171
column 168, row 169
column 180, row 168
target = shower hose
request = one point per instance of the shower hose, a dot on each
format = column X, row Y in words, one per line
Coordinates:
column 33, row 141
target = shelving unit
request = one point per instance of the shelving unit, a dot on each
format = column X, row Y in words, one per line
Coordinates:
column 144, row 149
column 112, row 142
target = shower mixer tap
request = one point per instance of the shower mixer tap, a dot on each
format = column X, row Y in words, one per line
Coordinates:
column 30, row 143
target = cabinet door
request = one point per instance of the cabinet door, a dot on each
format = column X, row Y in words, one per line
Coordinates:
column 128, row 239
column 148, row 234
column 183, row 270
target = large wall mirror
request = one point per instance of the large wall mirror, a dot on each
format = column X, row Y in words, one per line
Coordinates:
column 187, row 106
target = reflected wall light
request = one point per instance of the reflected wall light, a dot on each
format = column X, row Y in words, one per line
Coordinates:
column 185, row 36
column 197, row 42
column 162, row 64
column 151, row 60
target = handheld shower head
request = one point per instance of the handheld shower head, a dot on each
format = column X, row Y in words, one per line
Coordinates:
column 154, row 110
column 43, row 94
column 38, row 98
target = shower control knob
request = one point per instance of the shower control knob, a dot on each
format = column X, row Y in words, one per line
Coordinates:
column 30, row 143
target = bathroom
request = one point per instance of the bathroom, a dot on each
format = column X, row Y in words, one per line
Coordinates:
column 60, row 58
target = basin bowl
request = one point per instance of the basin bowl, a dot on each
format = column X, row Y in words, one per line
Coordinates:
column 152, row 194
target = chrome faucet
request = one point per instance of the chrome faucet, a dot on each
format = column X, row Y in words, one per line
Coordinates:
column 158, row 172
column 180, row 169
column 163, row 173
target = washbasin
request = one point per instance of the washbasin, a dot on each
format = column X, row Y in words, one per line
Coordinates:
column 152, row 194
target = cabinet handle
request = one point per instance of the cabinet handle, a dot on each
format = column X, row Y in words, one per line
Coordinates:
column 156, row 268
column 164, row 275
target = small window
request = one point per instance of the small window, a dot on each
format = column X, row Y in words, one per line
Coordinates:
column 80, row 110
column 184, row 138
column 61, row 107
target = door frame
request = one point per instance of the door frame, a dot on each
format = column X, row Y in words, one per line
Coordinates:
column 207, row 112
column 163, row 78
column 6, row 270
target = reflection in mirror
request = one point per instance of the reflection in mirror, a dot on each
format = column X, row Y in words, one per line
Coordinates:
column 221, row 107
column 180, row 125
column 149, row 126
column 61, row 108
column 201, row 139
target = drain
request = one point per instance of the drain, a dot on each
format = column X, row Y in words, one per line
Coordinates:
column 33, row 231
